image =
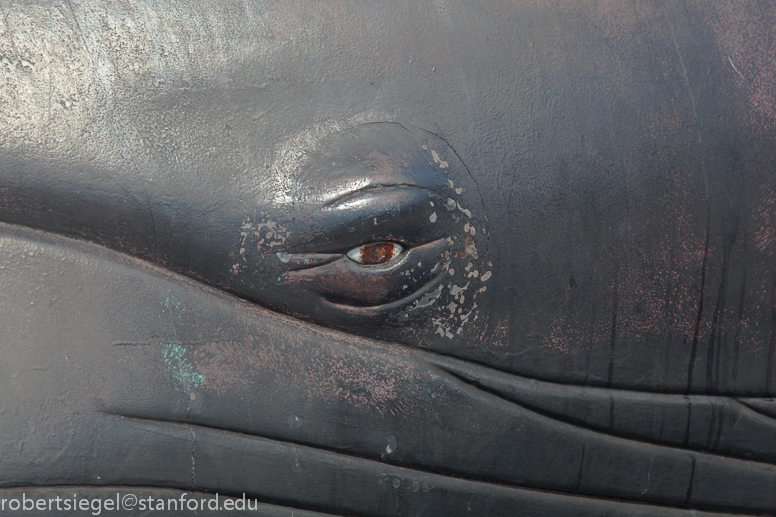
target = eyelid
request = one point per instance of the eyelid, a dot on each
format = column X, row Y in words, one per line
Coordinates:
column 298, row 261
column 399, row 214
column 359, row 198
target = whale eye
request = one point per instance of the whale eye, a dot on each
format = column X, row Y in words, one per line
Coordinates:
column 375, row 253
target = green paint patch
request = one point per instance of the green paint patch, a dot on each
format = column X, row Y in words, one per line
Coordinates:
column 174, row 354
column 181, row 369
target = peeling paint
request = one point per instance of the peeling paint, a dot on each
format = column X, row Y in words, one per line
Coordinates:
column 442, row 164
column 470, row 249
column 456, row 290
column 427, row 300
column 464, row 210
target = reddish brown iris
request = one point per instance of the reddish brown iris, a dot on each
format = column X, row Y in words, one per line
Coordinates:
column 376, row 253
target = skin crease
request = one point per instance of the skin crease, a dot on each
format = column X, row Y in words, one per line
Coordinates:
column 584, row 192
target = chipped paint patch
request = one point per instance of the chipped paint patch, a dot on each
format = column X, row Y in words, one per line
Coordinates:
column 456, row 290
column 391, row 444
column 470, row 249
column 261, row 234
column 442, row 164
column 427, row 300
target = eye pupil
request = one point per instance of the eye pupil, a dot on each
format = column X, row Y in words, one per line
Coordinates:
column 377, row 253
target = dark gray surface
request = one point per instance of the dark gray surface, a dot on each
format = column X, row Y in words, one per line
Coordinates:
column 609, row 173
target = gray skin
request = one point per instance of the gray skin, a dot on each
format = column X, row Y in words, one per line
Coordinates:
column 585, row 303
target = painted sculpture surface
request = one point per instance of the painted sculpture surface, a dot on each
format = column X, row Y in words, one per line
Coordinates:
column 383, row 258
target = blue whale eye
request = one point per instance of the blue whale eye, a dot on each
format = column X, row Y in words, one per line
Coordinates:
column 375, row 253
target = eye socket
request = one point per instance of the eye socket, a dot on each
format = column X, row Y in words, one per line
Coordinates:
column 375, row 253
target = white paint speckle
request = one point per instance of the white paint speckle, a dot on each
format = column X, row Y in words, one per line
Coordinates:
column 431, row 203
column 458, row 190
column 485, row 276
column 284, row 257
column 274, row 235
column 451, row 271
column 450, row 183
column 433, row 217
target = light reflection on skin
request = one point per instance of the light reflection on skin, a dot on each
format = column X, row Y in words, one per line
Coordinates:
column 284, row 177
column 349, row 187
